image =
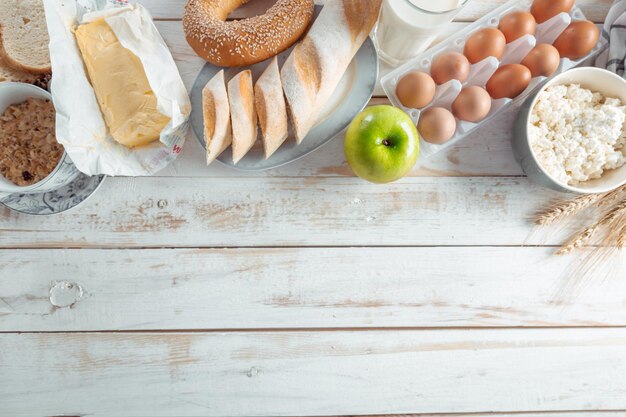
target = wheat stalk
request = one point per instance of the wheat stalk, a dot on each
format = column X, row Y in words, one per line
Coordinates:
column 615, row 215
column 611, row 196
column 579, row 240
column 565, row 209
column 599, row 260
column 621, row 238
column 608, row 235
column 616, row 225
column 568, row 208
column 613, row 220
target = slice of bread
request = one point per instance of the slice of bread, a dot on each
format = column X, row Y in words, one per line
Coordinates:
column 242, row 114
column 24, row 35
column 271, row 108
column 8, row 73
column 216, row 112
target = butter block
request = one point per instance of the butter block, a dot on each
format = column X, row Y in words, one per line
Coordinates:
column 127, row 102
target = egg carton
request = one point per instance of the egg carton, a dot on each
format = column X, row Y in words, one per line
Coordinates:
column 482, row 71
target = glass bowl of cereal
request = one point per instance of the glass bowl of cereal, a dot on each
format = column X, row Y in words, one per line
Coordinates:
column 31, row 159
column 571, row 134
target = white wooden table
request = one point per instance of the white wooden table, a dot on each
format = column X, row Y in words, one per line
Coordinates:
column 305, row 291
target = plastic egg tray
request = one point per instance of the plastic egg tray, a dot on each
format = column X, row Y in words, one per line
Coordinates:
column 482, row 71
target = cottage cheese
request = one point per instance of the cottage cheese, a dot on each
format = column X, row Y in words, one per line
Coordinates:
column 577, row 134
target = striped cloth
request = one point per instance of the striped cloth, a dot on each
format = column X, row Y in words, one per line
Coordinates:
column 614, row 31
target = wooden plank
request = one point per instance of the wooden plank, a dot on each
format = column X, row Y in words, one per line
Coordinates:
column 312, row 373
column 595, row 10
column 541, row 414
column 178, row 212
column 89, row 290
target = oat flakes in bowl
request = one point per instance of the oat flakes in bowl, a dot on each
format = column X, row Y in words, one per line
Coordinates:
column 29, row 151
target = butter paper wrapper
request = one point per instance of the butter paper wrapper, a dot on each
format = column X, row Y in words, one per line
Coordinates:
column 81, row 128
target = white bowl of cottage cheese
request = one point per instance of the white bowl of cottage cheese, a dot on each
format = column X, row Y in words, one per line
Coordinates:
column 571, row 134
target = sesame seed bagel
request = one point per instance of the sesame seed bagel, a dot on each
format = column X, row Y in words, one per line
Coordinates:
column 243, row 42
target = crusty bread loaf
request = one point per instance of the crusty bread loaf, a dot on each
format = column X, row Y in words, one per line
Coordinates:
column 317, row 64
column 242, row 114
column 24, row 35
column 271, row 108
column 216, row 111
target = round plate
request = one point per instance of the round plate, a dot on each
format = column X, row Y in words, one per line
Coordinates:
column 55, row 202
column 352, row 95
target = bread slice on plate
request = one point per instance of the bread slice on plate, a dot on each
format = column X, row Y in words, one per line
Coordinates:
column 24, row 36
column 271, row 108
column 317, row 64
column 242, row 114
column 216, row 112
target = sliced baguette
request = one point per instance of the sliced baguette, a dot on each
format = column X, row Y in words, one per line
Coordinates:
column 271, row 108
column 24, row 36
column 317, row 64
column 242, row 114
column 216, row 112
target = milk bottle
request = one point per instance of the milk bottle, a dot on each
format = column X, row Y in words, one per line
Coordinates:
column 408, row 27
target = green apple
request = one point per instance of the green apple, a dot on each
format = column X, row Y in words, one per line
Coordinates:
column 382, row 144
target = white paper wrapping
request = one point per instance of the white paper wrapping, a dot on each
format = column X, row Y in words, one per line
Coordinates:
column 80, row 125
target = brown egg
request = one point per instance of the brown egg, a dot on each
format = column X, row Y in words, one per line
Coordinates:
column 437, row 125
column 578, row 39
column 546, row 9
column 472, row 105
column 509, row 81
column 485, row 43
column 416, row 90
column 517, row 24
column 542, row 61
column 450, row 66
